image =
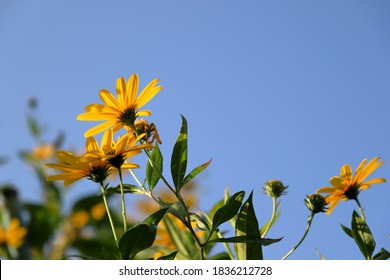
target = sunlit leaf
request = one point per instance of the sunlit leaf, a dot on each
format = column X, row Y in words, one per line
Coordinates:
column 362, row 235
column 171, row 256
column 248, row 226
column 152, row 176
column 195, row 172
column 179, row 156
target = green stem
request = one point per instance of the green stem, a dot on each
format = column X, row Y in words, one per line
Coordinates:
column 108, row 212
column 360, row 209
column 123, row 201
column 309, row 220
column 271, row 221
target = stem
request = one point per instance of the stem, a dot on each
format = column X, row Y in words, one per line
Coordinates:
column 309, row 220
column 123, row 201
column 360, row 208
column 108, row 212
column 271, row 221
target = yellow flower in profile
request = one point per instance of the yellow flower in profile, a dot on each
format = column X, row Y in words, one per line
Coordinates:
column 115, row 153
column 347, row 186
column 123, row 110
column 13, row 235
column 75, row 168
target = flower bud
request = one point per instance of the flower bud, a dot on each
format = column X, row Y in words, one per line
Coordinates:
column 316, row 203
column 274, row 188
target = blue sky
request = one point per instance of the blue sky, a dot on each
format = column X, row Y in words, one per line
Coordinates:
column 290, row 90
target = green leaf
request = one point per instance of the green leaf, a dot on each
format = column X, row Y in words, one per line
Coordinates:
column 320, row 255
column 383, row 254
column 171, row 256
column 248, row 226
column 362, row 235
column 228, row 210
column 201, row 222
column 34, row 127
column 156, row 217
column 179, row 156
column 136, row 239
column 195, row 172
column 108, row 255
column 246, row 239
column 127, row 188
column 152, row 176
column 347, row 230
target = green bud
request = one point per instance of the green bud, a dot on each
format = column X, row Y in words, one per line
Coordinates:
column 316, row 203
column 274, row 188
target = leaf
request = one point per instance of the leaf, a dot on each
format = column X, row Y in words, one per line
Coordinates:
column 171, row 256
column 362, row 235
column 346, row 230
column 127, row 188
column 245, row 239
column 136, row 239
column 195, row 172
column 156, row 217
column 383, row 254
column 228, row 210
column 201, row 222
column 152, row 176
column 108, row 255
column 179, row 156
column 34, row 127
column 320, row 255
column 248, row 226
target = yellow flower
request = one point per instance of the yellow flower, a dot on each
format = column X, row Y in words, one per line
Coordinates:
column 115, row 153
column 13, row 235
column 121, row 111
column 347, row 186
column 75, row 168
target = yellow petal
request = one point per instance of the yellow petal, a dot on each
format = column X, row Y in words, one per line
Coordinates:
column 99, row 108
column 337, row 182
column 326, row 190
column 121, row 91
column 129, row 166
column 110, row 100
column 107, row 138
column 144, row 113
column 91, row 145
column 368, row 169
column 132, row 89
column 366, row 184
column 148, row 93
column 92, row 116
column 346, row 173
column 99, row 128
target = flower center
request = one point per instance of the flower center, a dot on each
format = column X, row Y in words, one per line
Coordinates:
column 99, row 173
column 128, row 117
column 117, row 161
column 352, row 192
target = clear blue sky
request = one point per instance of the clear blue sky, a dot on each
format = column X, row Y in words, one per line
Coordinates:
column 271, row 89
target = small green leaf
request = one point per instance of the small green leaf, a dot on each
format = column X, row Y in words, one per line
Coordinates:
column 34, row 127
column 152, row 176
column 107, row 255
column 248, row 226
column 171, row 256
column 201, row 222
column 362, row 235
column 245, row 239
column 228, row 210
column 136, row 239
column 156, row 217
column 179, row 156
column 195, row 172
column 127, row 188
column 346, row 230
column 383, row 254
column 320, row 255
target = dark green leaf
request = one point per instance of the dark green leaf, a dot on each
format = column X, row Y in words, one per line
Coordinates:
column 346, row 230
column 195, row 172
column 127, row 188
column 362, row 235
column 156, row 217
column 245, row 239
column 136, row 239
column 108, row 255
column 179, row 157
column 383, row 254
column 171, row 256
column 248, row 226
column 34, row 127
column 152, row 176
column 220, row 256
column 179, row 237
column 228, row 210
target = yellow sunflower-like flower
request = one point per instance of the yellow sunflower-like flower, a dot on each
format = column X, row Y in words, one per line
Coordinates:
column 123, row 110
column 115, row 153
column 13, row 235
column 75, row 168
column 347, row 186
